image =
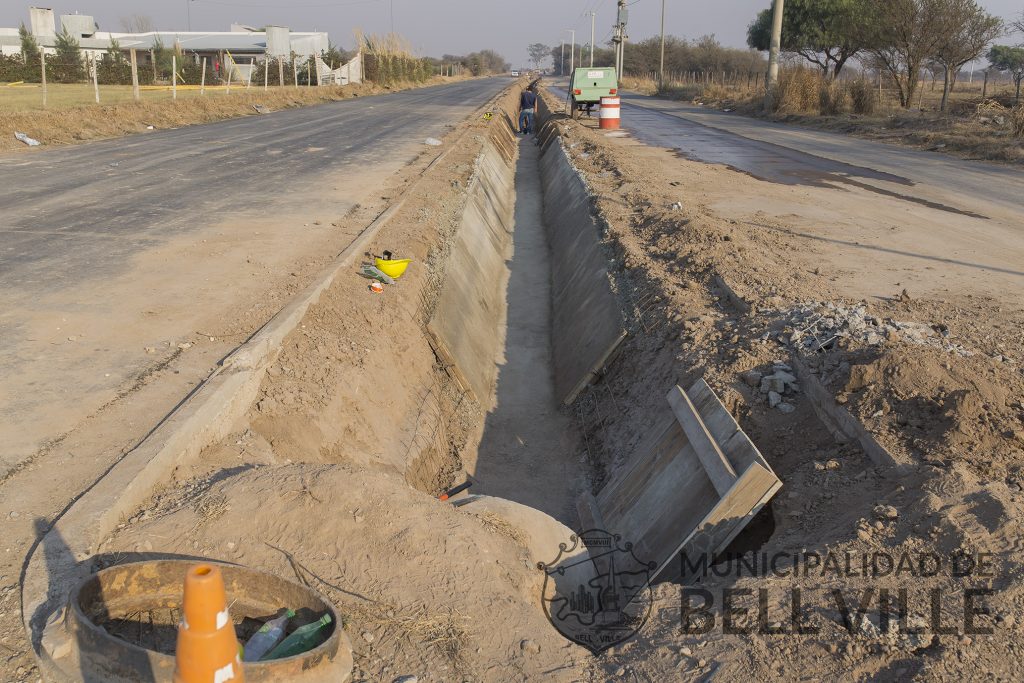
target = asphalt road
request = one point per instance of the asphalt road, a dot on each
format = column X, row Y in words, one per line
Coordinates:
column 791, row 155
column 77, row 213
column 113, row 247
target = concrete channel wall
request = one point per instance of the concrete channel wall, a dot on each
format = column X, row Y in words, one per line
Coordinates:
column 587, row 321
column 464, row 329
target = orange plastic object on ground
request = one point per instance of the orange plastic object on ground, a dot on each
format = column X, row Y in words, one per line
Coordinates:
column 207, row 649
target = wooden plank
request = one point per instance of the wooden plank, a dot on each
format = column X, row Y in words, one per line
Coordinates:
column 727, row 518
column 628, row 485
column 737, row 447
column 719, row 470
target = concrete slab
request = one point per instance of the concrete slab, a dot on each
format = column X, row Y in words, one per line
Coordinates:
column 470, row 306
column 587, row 319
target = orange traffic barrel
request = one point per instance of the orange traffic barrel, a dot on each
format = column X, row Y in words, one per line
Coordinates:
column 610, row 113
column 207, row 649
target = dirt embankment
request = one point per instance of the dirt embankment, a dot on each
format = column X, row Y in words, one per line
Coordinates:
column 973, row 127
column 332, row 476
column 98, row 122
column 936, row 383
column 977, row 129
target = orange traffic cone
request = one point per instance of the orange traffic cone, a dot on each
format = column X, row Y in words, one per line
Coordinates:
column 207, row 648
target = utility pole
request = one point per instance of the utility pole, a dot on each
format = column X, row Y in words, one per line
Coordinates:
column 593, row 17
column 620, row 38
column 188, row 14
column 661, row 64
column 572, row 51
column 773, row 55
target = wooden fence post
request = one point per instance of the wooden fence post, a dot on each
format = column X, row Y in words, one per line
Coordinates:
column 280, row 72
column 135, row 74
column 309, row 72
column 174, row 77
column 42, row 66
column 295, row 72
column 202, row 83
column 96, row 78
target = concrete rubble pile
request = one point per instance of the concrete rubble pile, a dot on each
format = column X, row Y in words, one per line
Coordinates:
column 817, row 326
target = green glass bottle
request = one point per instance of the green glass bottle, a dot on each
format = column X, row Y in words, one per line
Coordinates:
column 302, row 639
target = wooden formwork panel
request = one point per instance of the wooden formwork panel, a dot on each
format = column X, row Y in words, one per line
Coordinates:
column 690, row 487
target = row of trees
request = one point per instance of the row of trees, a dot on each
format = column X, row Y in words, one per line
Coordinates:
column 67, row 65
column 897, row 37
column 479, row 63
column 704, row 55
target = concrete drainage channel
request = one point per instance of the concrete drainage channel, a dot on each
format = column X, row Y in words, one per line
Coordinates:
column 514, row 314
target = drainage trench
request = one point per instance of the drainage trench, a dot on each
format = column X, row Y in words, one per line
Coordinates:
column 528, row 451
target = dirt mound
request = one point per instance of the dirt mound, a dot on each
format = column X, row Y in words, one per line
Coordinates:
column 424, row 588
column 917, row 396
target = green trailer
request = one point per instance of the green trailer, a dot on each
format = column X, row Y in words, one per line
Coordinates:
column 588, row 85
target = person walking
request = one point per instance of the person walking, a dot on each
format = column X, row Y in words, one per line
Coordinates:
column 527, row 106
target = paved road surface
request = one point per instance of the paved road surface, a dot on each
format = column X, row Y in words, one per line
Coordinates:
column 110, row 247
column 798, row 156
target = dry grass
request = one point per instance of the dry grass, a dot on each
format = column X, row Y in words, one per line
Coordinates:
column 861, row 108
column 29, row 97
column 1017, row 121
column 77, row 122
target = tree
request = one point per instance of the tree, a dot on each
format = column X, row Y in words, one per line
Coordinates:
column 826, row 33
column 1008, row 60
column 29, row 46
column 902, row 35
column 67, row 66
column 333, row 56
column 966, row 31
column 538, row 53
column 137, row 23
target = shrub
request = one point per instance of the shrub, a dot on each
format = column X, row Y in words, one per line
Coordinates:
column 831, row 98
column 863, row 97
column 1017, row 121
column 797, row 92
column 13, row 68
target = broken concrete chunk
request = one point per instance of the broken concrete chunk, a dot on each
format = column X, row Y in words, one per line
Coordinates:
column 784, row 376
column 772, row 383
column 774, row 399
column 786, row 408
column 886, row 512
column 752, row 378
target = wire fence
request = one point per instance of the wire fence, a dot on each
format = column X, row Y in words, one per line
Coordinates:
column 45, row 79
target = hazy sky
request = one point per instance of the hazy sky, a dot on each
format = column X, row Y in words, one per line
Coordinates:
column 439, row 26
